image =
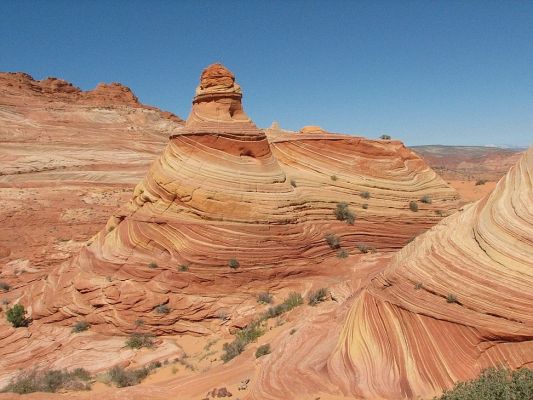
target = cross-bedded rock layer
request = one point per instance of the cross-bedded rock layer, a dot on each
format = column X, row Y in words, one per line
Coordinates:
column 221, row 194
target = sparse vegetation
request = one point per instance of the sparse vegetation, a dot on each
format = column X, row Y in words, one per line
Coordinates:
column 481, row 182
column 16, row 316
column 343, row 213
column 234, row 263
column 162, row 309
column 333, row 241
column 49, row 381
column 342, row 254
column 334, row 178
column 139, row 340
column 80, row 326
column 293, row 183
column 440, row 213
column 363, row 248
column 413, row 206
column 318, row 296
column 365, row 206
column 494, row 384
column 4, row 286
column 264, row 298
column 152, row 265
column 262, row 350
column 256, row 328
column 451, row 298
column 122, row 377
column 365, row 195
column 418, row 286
column 183, row 267
column 292, row 331
column 426, row 199
column 385, row 137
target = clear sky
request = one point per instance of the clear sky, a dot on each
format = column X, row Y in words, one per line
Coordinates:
column 426, row 72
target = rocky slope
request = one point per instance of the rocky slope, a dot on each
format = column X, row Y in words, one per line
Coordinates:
column 456, row 300
column 223, row 194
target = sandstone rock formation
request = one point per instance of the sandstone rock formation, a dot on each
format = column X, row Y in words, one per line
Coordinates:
column 228, row 210
column 456, row 300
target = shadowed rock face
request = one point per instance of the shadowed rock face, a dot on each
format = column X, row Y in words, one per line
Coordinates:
column 455, row 301
column 220, row 191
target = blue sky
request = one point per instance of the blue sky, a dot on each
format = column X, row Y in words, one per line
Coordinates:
column 426, row 72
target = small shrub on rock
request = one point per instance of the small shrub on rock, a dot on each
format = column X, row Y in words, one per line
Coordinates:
column 152, row 265
column 162, row 309
column 122, row 377
column 481, row 182
column 363, row 248
column 451, row 298
column 234, row 263
column 413, row 206
column 4, row 286
column 365, row 195
column 49, row 381
column 317, row 296
column 262, row 351
column 365, row 206
column 140, row 340
column 385, row 137
column 426, row 199
column 333, row 241
column 16, row 316
column 343, row 213
column 80, row 326
column 342, row 254
column 334, row 178
column 264, row 298
column 183, row 268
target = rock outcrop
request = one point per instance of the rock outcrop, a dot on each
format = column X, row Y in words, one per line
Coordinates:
column 456, row 300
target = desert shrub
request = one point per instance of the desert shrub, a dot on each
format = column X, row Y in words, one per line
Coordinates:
column 4, row 286
column 418, row 286
column 152, row 265
column 232, row 350
column 138, row 322
column 122, row 377
column 49, row 381
column 365, row 206
column 494, row 384
column 80, row 326
column 365, row 195
column 413, row 206
column 384, row 137
column 16, row 316
column 425, row 199
column 343, row 213
column 233, row 263
column 342, row 254
column 363, row 248
column 183, row 267
column 292, row 331
column 243, row 337
column 162, row 309
column 333, row 241
column 333, row 178
column 264, row 298
column 481, row 182
column 262, row 351
column 293, row 183
column 451, row 298
column 440, row 213
column 139, row 340
column 318, row 296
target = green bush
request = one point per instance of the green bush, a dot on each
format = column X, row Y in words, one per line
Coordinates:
column 234, row 263
column 152, row 265
column 425, row 199
column 343, row 213
column 413, row 206
column 139, row 340
column 49, row 381
column 262, row 351
column 451, row 298
column 162, row 309
column 318, row 296
column 122, row 377
column 365, row 195
column 342, row 254
column 384, row 137
column 264, row 298
column 184, row 267
column 333, row 241
column 80, row 326
column 494, row 384
column 16, row 315
column 4, row 286
column 363, row 248
column 232, row 350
